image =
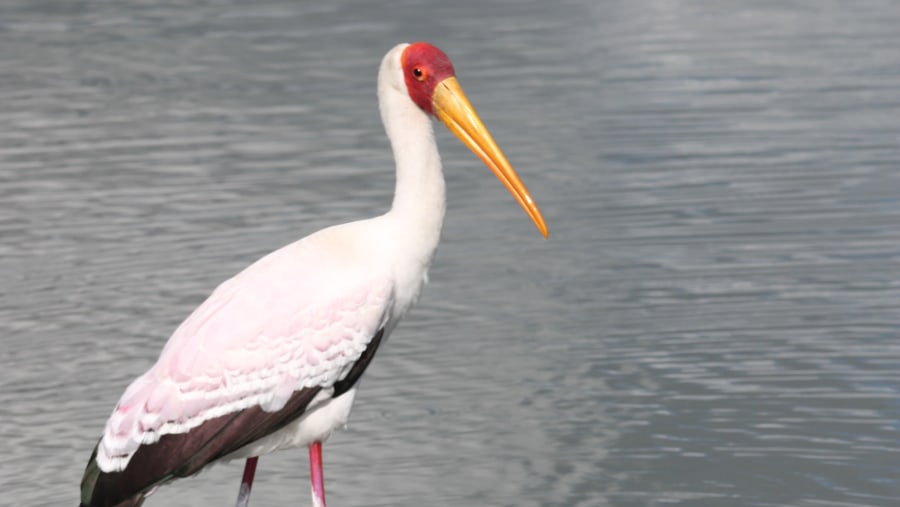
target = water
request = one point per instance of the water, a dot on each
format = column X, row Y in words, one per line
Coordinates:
column 713, row 321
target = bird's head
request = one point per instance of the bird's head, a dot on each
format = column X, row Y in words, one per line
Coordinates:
column 431, row 84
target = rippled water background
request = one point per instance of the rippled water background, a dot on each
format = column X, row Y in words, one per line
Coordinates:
column 714, row 320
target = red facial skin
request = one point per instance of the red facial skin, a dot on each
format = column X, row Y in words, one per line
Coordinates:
column 424, row 66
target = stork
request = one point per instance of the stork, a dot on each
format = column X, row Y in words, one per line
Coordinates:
column 272, row 359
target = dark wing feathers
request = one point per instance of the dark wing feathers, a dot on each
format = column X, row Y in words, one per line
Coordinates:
column 184, row 454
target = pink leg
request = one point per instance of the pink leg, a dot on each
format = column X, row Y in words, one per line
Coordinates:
column 315, row 473
column 247, row 482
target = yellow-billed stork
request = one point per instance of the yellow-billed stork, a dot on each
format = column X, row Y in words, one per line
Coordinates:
column 272, row 358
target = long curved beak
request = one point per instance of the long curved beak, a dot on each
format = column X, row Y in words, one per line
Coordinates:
column 452, row 107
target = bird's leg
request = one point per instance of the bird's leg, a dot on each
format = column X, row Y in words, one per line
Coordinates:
column 247, row 482
column 315, row 474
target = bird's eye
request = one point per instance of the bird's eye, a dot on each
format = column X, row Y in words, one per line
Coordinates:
column 419, row 73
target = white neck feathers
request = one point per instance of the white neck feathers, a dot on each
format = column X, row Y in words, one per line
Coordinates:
column 419, row 199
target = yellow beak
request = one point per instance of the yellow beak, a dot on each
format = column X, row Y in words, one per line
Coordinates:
column 453, row 108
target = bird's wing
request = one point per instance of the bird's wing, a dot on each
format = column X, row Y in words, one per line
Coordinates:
column 262, row 345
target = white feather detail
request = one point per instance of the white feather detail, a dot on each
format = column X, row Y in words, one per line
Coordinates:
column 326, row 343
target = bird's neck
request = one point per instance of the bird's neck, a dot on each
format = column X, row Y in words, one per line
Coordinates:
column 419, row 198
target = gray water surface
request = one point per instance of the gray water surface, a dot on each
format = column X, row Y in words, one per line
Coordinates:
column 714, row 320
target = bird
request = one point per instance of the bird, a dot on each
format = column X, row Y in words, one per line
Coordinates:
column 273, row 357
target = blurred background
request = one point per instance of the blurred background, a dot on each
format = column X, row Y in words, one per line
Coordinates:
column 713, row 322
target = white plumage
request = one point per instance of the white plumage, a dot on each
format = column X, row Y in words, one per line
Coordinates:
column 298, row 321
